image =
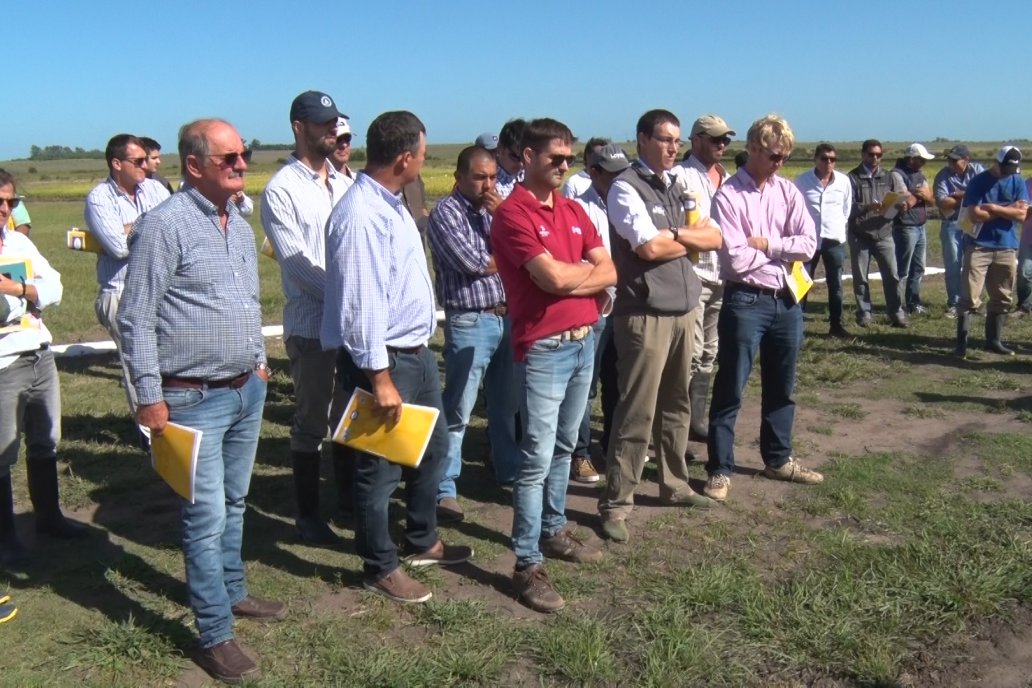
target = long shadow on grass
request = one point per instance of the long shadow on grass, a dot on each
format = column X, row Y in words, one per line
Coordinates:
column 1017, row 404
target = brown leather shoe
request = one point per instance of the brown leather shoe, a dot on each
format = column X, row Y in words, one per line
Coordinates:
column 227, row 662
column 441, row 555
column 252, row 607
column 449, row 511
column 535, row 590
column 564, row 545
column 398, row 586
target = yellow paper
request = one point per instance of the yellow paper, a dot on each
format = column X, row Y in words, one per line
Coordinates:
column 174, row 457
column 26, row 322
column 403, row 442
column 267, row 249
column 798, row 280
column 81, row 240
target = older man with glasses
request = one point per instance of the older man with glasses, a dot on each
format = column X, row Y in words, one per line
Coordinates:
column 112, row 207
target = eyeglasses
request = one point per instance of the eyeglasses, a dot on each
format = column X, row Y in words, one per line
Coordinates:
column 12, row 203
column 139, row 162
column 720, row 140
column 828, row 158
column 777, row 158
column 872, row 154
column 342, row 140
column 558, row 160
column 231, row 159
column 667, row 140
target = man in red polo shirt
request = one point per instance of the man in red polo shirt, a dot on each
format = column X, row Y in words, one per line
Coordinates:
column 555, row 270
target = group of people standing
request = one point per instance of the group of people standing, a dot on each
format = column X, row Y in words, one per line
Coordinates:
column 661, row 279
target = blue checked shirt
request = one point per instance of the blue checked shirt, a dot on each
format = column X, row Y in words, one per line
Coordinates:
column 295, row 207
column 378, row 290
column 460, row 243
column 108, row 210
column 190, row 306
column 506, row 182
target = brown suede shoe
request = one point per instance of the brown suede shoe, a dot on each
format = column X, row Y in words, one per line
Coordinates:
column 535, row 590
column 441, row 555
column 449, row 511
column 398, row 586
column 252, row 607
column 564, row 545
column 227, row 662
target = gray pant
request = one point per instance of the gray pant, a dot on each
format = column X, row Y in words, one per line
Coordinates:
column 31, row 404
column 318, row 397
column 704, row 352
column 861, row 250
column 106, row 308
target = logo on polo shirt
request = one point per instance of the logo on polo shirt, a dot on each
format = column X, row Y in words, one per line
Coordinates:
column 575, row 229
column 542, row 231
column 658, row 210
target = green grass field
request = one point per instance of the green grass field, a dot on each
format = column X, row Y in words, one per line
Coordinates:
column 914, row 550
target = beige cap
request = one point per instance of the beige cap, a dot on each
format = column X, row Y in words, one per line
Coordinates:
column 712, row 125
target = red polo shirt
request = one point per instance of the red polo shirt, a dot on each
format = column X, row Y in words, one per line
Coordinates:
column 524, row 228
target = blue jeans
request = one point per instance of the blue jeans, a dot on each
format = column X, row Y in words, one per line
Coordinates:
column 911, row 244
column 603, row 333
column 417, row 380
column 553, row 383
column 952, row 256
column 834, row 255
column 213, row 526
column 1025, row 276
column 477, row 347
column 751, row 322
column 861, row 250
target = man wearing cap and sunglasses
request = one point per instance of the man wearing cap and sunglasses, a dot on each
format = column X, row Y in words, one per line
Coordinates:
column 908, row 227
column 342, row 153
column 112, row 207
column 295, row 206
column 949, row 186
column 994, row 208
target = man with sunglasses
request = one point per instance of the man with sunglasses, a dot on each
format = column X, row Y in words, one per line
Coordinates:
column 766, row 227
column 908, row 227
column 191, row 322
column 295, row 206
column 112, row 207
column 701, row 173
column 870, row 234
column 342, row 153
column 654, row 317
column 829, row 198
column 509, row 157
column 554, row 267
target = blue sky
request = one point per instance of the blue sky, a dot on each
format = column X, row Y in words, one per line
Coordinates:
column 79, row 72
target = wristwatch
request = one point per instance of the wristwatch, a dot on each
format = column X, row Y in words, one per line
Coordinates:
column 264, row 368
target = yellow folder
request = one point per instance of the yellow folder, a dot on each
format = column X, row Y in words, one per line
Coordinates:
column 404, row 442
column 81, row 240
column 798, row 280
column 16, row 268
column 174, row 457
column 267, row 249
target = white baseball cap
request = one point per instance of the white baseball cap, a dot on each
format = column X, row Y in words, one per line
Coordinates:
column 916, row 150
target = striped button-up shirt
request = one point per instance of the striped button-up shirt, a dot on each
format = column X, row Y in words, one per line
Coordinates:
column 460, row 243
column 190, row 306
column 378, row 290
column 48, row 286
column 693, row 176
column 108, row 211
column 295, row 207
column 506, row 182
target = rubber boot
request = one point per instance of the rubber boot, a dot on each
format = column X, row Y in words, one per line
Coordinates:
column 42, row 478
column 11, row 550
column 698, row 394
column 344, row 477
column 310, row 527
column 963, row 325
column 993, row 333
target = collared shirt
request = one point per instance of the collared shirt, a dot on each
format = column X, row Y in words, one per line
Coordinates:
column 108, row 210
column 829, row 205
column 190, row 306
column 947, row 183
column 378, row 290
column 997, row 233
column 348, row 176
column 460, row 243
column 693, row 176
column 48, row 285
column 628, row 215
column 295, row 207
column 577, row 185
column 505, row 182
column 776, row 212
column 595, row 208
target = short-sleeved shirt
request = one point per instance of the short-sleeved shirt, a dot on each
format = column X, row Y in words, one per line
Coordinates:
column 19, row 216
column 524, row 228
column 998, row 233
column 947, row 183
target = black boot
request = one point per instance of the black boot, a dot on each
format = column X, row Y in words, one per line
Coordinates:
column 963, row 325
column 993, row 333
column 698, row 394
column 344, row 476
column 310, row 527
column 11, row 550
column 42, row 475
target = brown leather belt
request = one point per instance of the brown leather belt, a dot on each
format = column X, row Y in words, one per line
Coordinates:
column 404, row 350
column 500, row 309
column 197, row 383
column 574, row 334
column 753, row 289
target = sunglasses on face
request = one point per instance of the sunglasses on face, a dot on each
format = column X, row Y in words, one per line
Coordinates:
column 230, row 159
column 720, row 140
column 558, row 160
column 828, row 158
column 344, row 140
column 139, row 162
column 871, row 154
column 12, row 203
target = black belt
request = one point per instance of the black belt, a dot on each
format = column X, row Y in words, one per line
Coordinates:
column 752, row 289
column 405, row 350
column 197, row 383
column 32, row 352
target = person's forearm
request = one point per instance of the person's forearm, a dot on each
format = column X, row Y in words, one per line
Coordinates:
column 700, row 238
column 601, row 277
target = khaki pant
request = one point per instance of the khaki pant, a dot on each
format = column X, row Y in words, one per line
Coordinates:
column 654, row 357
column 704, row 355
column 106, row 309
column 996, row 270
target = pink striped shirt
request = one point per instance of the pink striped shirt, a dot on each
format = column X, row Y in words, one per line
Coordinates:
column 776, row 212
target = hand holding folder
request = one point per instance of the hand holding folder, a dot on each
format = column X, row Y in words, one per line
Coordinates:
column 403, row 442
column 174, row 456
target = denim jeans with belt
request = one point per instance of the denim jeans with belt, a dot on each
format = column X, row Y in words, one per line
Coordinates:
column 911, row 253
column 213, row 526
column 553, row 381
column 477, row 348
column 416, row 378
column 751, row 322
